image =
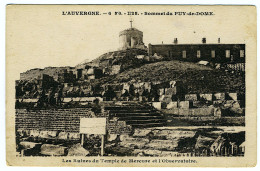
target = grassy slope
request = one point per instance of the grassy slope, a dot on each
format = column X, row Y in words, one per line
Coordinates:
column 198, row 78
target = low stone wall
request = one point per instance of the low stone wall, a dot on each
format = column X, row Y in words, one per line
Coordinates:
column 235, row 120
column 61, row 123
column 191, row 112
column 204, row 97
column 206, row 120
column 118, row 127
column 52, row 119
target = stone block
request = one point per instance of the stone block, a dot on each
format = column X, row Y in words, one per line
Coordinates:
column 73, row 136
column 48, row 134
column 161, row 91
column 184, row 104
column 157, row 105
column 184, row 112
column 161, row 98
column 228, row 103
column 177, row 134
column 172, row 105
column 236, row 105
column 174, row 111
column 63, row 136
column 112, row 137
column 53, row 150
column 207, row 97
column 152, row 152
column 169, row 154
column 167, row 99
column 218, row 102
column 173, row 133
column 191, row 97
column 43, row 134
column 138, row 139
column 67, row 99
column 52, row 134
column 203, row 111
column 240, row 111
column 219, row 96
column 123, row 137
column 196, row 104
column 134, row 142
column 232, row 96
column 76, row 99
column 34, row 133
column 162, row 144
column 77, row 150
column 28, row 145
column 141, row 132
column 138, row 152
column 203, row 141
column 170, row 91
column 217, row 112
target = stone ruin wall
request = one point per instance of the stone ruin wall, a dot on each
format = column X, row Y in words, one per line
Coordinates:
column 35, row 73
column 53, row 122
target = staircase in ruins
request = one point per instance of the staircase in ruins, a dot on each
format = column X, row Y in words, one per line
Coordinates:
column 136, row 114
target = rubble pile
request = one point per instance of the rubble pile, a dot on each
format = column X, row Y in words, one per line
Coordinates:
column 182, row 142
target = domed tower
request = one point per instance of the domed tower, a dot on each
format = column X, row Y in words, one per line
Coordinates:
column 131, row 38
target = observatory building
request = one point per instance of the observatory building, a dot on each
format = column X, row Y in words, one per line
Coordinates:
column 131, row 38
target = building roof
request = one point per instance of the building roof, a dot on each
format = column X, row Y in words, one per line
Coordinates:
column 132, row 29
column 172, row 44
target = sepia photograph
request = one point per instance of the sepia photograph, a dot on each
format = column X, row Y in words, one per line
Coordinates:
column 117, row 85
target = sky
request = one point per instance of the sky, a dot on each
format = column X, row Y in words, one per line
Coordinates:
column 40, row 36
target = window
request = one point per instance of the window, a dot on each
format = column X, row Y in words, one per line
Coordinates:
column 227, row 53
column 242, row 53
column 213, row 54
column 198, row 53
column 184, row 54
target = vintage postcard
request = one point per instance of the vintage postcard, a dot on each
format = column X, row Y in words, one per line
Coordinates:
column 131, row 85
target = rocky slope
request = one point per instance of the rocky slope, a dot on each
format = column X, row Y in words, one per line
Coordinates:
column 198, row 78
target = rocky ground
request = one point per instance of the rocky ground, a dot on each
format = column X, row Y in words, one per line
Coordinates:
column 165, row 141
column 198, row 78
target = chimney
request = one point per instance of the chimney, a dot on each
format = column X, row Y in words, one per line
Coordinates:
column 218, row 40
column 203, row 40
column 175, row 41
